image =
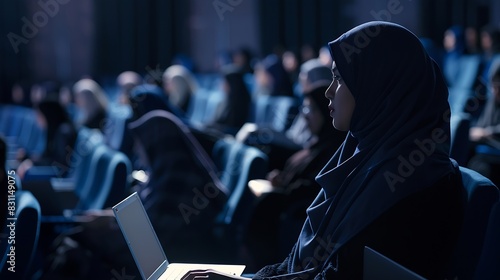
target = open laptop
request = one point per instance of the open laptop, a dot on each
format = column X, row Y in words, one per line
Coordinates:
column 379, row 267
column 146, row 248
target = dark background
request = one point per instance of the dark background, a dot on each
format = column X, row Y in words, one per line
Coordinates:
column 103, row 38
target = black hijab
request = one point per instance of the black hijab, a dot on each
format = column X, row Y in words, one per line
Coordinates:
column 398, row 143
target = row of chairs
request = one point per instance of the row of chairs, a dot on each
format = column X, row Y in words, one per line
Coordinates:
column 98, row 175
column 238, row 164
column 18, row 126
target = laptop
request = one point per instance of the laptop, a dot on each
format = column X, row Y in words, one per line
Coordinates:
column 379, row 267
column 146, row 248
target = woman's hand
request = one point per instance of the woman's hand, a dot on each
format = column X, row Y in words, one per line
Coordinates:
column 210, row 274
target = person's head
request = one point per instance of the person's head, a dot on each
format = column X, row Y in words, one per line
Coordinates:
column 316, row 113
column 307, row 52
column 342, row 101
column 490, row 39
column 314, row 74
column 179, row 84
column 453, row 40
column 290, row 61
column 89, row 98
column 233, row 82
column 272, row 76
column 385, row 82
column 126, row 81
column 471, row 39
column 242, row 57
column 146, row 98
column 50, row 114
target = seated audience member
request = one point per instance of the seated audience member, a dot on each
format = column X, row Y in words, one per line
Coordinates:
column 280, row 146
column 92, row 104
column 487, row 132
column 242, row 57
column 179, row 86
column 234, row 110
column 490, row 48
column 454, row 47
column 61, row 136
column 414, row 219
column 178, row 169
column 126, row 81
column 179, row 174
column 271, row 78
column 294, row 186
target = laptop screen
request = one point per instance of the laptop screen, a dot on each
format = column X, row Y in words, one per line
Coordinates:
column 139, row 234
column 377, row 266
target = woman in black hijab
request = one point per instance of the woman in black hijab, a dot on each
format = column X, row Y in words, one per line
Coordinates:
column 391, row 185
column 183, row 193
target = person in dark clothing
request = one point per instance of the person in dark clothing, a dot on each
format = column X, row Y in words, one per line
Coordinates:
column 380, row 189
column 271, row 77
column 486, row 132
column 234, row 110
column 294, row 187
column 179, row 170
column 92, row 104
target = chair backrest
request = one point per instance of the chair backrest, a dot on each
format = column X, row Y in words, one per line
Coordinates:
column 107, row 179
column 239, row 164
column 459, row 146
column 27, row 231
column 86, row 143
column 482, row 194
column 276, row 112
column 488, row 266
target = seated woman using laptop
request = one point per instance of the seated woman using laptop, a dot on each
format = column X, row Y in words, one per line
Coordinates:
column 391, row 185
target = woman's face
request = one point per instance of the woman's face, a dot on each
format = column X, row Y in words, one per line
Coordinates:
column 312, row 115
column 342, row 102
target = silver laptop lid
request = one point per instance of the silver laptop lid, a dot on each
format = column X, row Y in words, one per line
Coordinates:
column 377, row 266
column 140, row 237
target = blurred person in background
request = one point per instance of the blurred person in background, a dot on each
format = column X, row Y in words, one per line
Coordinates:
column 454, row 46
column 487, row 132
column 471, row 40
column 271, row 77
column 279, row 214
column 126, row 81
column 234, row 110
column 242, row 57
column 179, row 85
column 91, row 103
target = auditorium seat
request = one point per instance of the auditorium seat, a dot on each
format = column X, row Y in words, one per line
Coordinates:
column 27, row 232
column 481, row 195
column 238, row 164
